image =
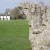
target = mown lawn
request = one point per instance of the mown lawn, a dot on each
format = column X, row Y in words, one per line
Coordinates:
column 14, row 35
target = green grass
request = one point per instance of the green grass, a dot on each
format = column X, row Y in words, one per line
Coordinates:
column 14, row 35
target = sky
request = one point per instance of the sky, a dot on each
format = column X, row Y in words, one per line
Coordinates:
column 4, row 4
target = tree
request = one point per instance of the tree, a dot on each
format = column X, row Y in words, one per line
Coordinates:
column 7, row 11
column 15, row 12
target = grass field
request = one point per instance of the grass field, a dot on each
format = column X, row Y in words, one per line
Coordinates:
column 14, row 35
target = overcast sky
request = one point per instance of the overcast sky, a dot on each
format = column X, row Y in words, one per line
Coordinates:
column 13, row 3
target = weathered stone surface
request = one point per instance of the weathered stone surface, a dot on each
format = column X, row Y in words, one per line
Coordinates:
column 38, row 17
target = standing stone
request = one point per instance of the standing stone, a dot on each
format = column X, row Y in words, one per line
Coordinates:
column 39, row 25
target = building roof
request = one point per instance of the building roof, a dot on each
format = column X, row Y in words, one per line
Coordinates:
column 2, row 14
